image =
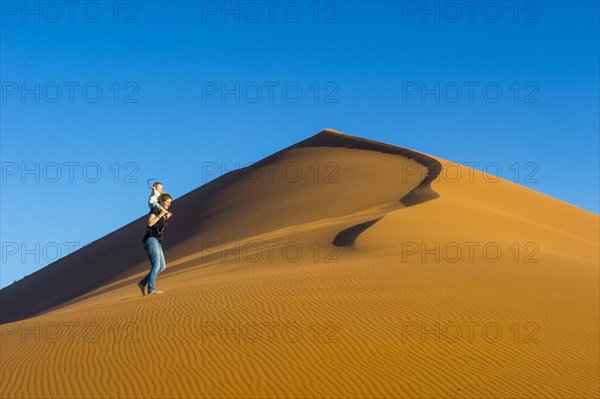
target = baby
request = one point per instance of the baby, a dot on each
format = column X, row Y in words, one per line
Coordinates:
column 157, row 189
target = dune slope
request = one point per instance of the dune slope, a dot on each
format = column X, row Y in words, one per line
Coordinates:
column 337, row 267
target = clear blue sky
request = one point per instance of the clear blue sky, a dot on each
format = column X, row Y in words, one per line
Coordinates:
column 100, row 97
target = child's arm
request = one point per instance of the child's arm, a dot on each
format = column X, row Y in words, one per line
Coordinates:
column 153, row 201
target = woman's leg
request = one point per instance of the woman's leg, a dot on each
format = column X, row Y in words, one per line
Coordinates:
column 163, row 262
column 154, row 254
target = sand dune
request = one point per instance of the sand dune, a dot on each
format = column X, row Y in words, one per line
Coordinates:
column 337, row 267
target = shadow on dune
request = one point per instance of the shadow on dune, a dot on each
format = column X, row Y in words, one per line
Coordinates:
column 84, row 274
column 420, row 194
column 348, row 236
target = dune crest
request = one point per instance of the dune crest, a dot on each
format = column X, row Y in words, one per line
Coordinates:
column 228, row 209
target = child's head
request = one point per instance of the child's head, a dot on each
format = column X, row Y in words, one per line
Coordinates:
column 158, row 186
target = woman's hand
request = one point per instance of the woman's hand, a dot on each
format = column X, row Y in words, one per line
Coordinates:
column 153, row 219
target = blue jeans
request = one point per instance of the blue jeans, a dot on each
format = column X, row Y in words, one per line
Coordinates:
column 157, row 262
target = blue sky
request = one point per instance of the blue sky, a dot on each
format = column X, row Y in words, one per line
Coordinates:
column 100, row 97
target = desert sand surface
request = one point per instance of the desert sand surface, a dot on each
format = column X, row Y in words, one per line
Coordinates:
column 442, row 283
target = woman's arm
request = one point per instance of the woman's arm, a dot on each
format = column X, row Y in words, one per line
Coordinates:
column 153, row 219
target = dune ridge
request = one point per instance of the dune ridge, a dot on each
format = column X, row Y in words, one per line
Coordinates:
column 42, row 291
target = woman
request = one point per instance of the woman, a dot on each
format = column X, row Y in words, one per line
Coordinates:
column 157, row 221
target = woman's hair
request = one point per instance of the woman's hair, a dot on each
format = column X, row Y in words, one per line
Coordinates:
column 163, row 198
column 156, row 184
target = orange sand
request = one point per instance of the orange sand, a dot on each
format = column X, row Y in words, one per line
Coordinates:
column 467, row 288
